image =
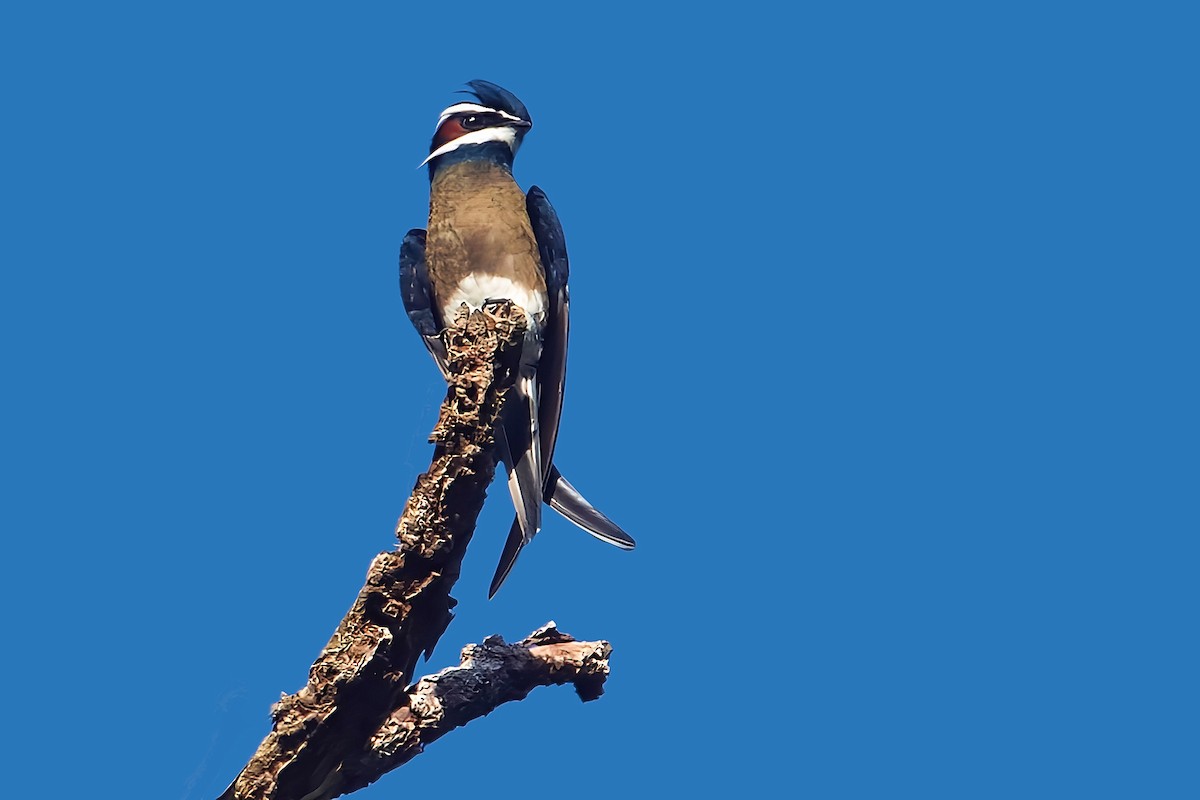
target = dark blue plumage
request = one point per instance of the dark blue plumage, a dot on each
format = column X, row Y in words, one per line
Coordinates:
column 489, row 94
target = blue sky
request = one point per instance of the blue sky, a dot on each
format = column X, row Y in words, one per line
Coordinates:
column 883, row 347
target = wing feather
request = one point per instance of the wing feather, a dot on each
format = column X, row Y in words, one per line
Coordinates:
column 417, row 294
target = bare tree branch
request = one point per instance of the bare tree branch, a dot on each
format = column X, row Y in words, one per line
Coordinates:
column 491, row 673
column 362, row 675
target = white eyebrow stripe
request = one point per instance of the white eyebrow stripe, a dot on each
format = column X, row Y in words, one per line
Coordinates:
column 504, row 134
column 459, row 108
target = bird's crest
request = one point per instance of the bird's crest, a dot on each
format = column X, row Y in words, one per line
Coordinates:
column 498, row 117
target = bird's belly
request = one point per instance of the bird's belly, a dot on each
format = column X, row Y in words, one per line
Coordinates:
column 480, row 287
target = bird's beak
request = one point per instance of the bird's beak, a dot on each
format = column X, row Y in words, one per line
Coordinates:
column 520, row 123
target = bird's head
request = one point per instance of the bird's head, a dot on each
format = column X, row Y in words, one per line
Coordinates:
column 490, row 129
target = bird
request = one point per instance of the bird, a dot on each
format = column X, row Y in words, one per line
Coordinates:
column 487, row 241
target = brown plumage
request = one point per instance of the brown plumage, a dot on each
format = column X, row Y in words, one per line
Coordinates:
column 479, row 247
column 478, row 225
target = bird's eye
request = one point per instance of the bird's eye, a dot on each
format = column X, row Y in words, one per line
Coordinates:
column 472, row 123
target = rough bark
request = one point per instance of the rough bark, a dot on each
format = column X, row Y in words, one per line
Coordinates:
column 357, row 717
column 491, row 673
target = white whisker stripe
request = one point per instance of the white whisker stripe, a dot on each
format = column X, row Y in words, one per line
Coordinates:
column 505, row 134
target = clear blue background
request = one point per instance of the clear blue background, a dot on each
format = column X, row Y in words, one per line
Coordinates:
column 884, row 348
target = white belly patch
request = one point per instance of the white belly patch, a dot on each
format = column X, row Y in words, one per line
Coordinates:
column 475, row 290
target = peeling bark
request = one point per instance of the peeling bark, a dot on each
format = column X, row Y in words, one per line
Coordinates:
column 357, row 717
column 491, row 674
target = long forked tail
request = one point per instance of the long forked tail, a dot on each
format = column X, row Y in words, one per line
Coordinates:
column 522, row 456
column 512, row 549
column 566, row 500
column 519, row 443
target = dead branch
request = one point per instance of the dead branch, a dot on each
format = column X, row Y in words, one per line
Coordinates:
column 491, row 673
column 356, row 718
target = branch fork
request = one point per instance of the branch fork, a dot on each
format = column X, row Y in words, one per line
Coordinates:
column 358, row 716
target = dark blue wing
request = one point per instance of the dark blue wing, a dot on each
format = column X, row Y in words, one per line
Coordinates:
column 418, row 295
column 552, row 376
column 552, row 366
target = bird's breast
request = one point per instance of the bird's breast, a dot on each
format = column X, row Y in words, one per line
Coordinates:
column 480, row 245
